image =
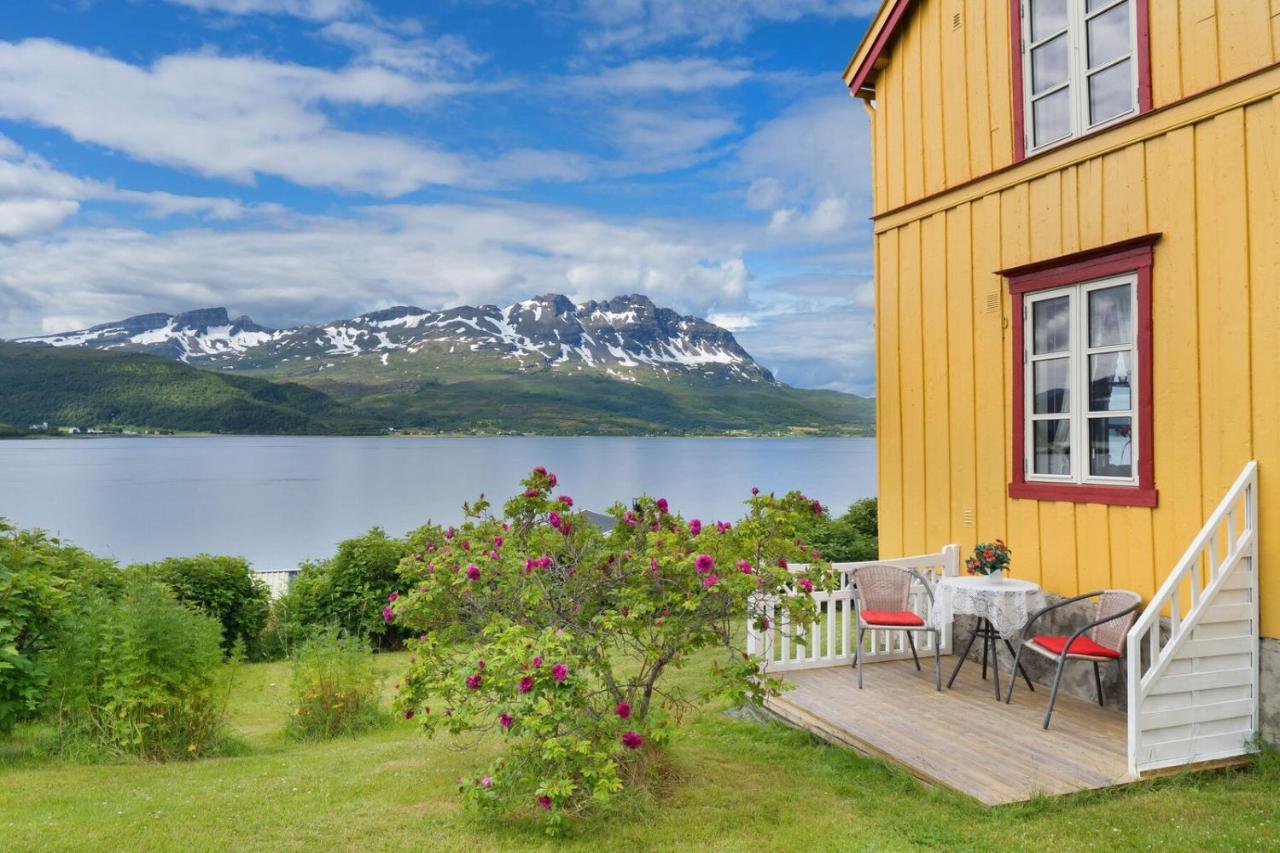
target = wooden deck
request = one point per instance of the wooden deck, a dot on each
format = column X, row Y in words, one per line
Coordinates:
column 962, row 738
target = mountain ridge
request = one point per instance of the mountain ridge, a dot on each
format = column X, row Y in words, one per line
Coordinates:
column 622, row 335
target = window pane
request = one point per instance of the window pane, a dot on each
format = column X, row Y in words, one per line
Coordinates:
column 1111, row 447
column 1110, row 388
column 1047, row 17
column 1110, row 316
column 1051, row 324
column 1052, row 386
column 1111, row 93
column 1052, row 447
column 1052, row 117
column 1049, row 64
column 1109, row 35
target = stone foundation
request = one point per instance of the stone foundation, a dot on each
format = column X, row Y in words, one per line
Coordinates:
column 1269, row 687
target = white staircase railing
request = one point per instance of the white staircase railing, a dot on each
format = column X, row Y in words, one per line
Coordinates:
column 830, row 642
column 1196, row 699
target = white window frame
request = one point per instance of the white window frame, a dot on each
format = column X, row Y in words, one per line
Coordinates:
column 1078, row 352
column 1078, row 73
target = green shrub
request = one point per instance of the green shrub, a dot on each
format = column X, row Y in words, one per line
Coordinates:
column 37, row 574
column 223, row 587
column 144, row 676
column 334, row 689
column 852, row 537
column 349, row 590
column 537, row 628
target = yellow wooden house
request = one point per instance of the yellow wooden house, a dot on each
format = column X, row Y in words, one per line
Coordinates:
column 1077, row 265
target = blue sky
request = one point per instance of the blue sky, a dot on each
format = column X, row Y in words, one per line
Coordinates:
column 309, row 160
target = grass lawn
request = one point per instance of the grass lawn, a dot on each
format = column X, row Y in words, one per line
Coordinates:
column 737, row 785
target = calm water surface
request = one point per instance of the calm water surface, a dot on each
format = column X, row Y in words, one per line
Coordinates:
column 279, row 500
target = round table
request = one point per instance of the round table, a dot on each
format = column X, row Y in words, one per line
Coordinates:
column 1002, row 608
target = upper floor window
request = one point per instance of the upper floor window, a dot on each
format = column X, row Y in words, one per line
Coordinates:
column 1080, row 66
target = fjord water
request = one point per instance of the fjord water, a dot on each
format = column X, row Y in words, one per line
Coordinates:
column 279, row 500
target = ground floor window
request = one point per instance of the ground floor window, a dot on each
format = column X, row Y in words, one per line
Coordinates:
column 1082, row 377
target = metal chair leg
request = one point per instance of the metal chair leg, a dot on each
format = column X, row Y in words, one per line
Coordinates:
column 1053, row 694
column 963, row 657
column 1097, row 682
column 911, row 641
column 1013, row 679
column 986, row 650
column 857, row 656
column 937, row 660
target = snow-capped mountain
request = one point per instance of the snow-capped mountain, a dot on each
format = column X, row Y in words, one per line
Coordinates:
column 189, row 336
column 620, row 336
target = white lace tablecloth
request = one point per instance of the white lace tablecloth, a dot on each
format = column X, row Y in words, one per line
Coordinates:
column 1007, row 604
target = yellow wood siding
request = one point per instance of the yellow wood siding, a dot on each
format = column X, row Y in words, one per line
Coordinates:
column 1207, row 177
column 944, row 99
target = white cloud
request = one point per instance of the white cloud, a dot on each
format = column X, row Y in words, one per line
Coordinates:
column 630, row 24
column 319, row 268
column 316, row 10
column 732, row 322
column 653, row 140
column 21, row 217
column 403, row 49
column 672, row 76
column 809, row 168
column 229, row 117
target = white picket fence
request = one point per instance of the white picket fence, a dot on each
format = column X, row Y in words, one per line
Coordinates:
column 829, row 641
column 1197, row 699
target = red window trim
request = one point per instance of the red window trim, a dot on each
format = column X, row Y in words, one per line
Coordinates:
column 1127, row 256
column 1141, row 15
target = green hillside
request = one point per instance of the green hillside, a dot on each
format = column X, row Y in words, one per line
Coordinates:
column 82, row 387
column 460, row 392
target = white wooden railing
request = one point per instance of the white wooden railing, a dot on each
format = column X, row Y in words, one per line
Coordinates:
column 829, row 640
column 1196, row 699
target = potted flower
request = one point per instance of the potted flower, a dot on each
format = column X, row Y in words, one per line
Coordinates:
column 990, row 560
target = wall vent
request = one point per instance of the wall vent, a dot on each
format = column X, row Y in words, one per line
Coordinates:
column 955, row 21
column 993, row 302
column 967, row 516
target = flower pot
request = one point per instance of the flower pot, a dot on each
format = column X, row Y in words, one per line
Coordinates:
column 996, row 577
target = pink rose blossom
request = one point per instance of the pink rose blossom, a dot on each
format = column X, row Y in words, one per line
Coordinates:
column 745, row 566
column 474, row 681
column 782, row 562
column 450, row 533
column 486, row 782
column 710, row 580
column 526, row 684
column 473, row 572
column 559, row 672
column 623, row 710
column 704, row 563
column 393, row 596
column 388, row 614
column 632, row 740
column 695, row 527
column 408, row 715
column 553, row 518
column 551, row 480
column 805, row 584
column 755, row 490
column 817, row 508
column 544, row 801
column 466, row 546
column 566, row 500
column 662, row 505
column 537, row 661
column 531, row 493
column 505, row 720
column 497, row 541
column 480, row 664
column 723, row 526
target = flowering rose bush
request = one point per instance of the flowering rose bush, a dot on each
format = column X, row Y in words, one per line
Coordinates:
column 556, row 637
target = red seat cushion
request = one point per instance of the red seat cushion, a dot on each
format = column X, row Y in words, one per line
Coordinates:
column 900, row 618
column 1082, row 646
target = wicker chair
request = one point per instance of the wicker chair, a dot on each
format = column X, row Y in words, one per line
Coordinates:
column 883, row 595
column 1100, row 641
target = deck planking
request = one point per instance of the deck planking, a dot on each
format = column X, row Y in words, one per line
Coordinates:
column 962, row 738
